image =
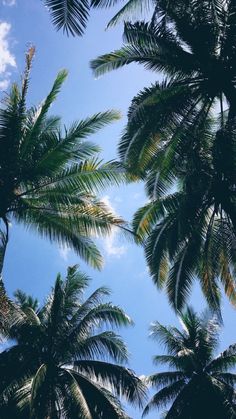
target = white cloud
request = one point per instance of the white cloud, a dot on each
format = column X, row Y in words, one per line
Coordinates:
column 112, row 248
column 64, row 252
column 4, row 84
column 111, row 245
column 9, row 2
column 106, row 200
column 118, row 199
column 137, row 195
column 144, row 274
column 7, row 59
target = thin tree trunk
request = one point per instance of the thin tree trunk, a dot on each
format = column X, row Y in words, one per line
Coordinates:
column 5, row 304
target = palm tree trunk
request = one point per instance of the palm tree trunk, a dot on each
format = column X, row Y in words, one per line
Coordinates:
column 4, row 241
column 5, row 304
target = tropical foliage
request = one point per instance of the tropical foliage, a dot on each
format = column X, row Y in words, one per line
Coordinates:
column 66, row 360
column 198, row 385
column 180, row 138
column 132, row 10
column 49, row 177
column 72, row 15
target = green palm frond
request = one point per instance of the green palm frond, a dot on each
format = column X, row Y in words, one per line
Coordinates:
column 37, row 385
column 164, row 396
column 224, row 361
column 76, row 399
column 69, row 15
column 166, row 336
column 123, row 381
column 146, row 46
column 99, row 399
column 24, row 300
column 130, row 10
column 41, row 113
column 103, row 313
column 104, row 343
column 162, row 379
column 64, row 230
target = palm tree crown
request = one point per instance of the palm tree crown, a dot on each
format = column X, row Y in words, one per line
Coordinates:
column 180, row 137
column 198, row 384
column 49, row 178
column 62, row 362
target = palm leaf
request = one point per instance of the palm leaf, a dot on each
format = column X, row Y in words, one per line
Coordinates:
column 164, row 396
column 69, row 15
column 122, row 380
column 130, row 10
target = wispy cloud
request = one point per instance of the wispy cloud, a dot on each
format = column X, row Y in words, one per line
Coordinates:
column 4, row 84
column 112, row 247
column 64, row 252
column 106, row 200
column 111, row 243
column 9, row 2
column 144, row 274
column 7, row 59
column 137, row 195
column 118, row 199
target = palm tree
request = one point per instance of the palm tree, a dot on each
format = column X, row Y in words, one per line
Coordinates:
column 198, row 385
column 180, row 137
column 189, row 232
column 192, row 44
column 49, row 176
column 65, row 362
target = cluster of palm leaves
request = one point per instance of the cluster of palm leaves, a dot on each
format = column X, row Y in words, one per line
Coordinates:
column 197, row 385
column 180, row 139
column 71, row 16
column 49, row 177
column 65, row 360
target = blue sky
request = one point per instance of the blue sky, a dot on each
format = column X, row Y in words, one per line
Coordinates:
column 32, row 263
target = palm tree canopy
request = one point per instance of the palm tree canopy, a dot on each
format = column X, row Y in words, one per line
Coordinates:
column 49, row 178
column 66, row 359
column 191, row 44
column 197, row 384
column 188, row 228
column 180, row 136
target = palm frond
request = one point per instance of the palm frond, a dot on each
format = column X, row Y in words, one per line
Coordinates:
column 164, row 396
column 167, row 337
column 131, row 10
column 24, row 300
column 122, row 380
column 162, row 379
column 224, row 361
column 103, row 344
column 69, row 15
column 99, row 399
